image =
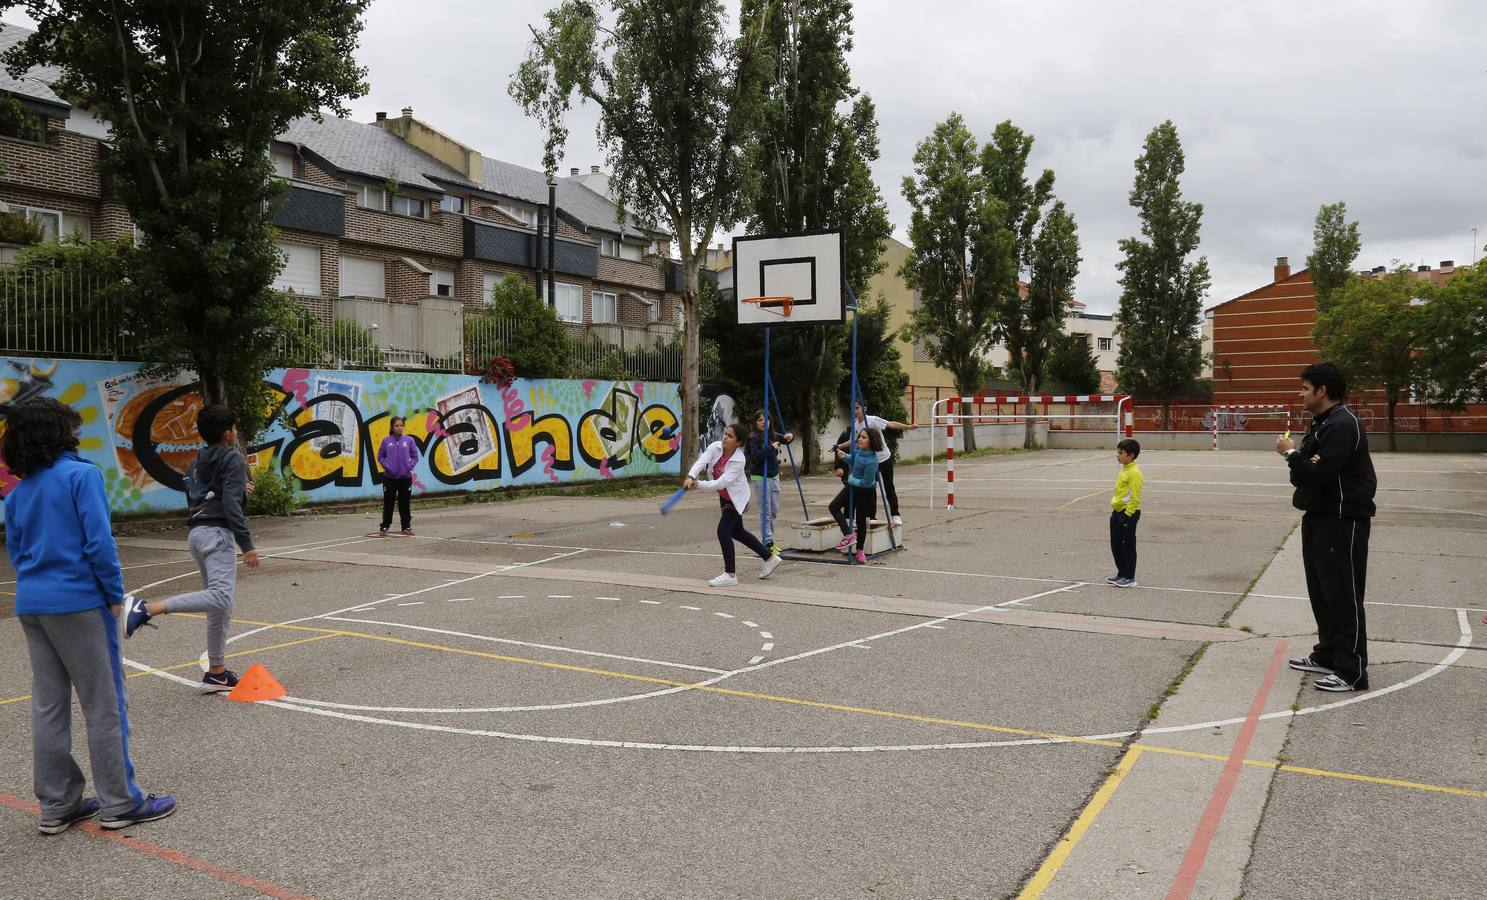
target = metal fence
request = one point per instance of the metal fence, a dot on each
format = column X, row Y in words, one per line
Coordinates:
column 61, row 312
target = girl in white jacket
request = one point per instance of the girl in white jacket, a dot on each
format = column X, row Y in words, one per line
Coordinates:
column 723, row 461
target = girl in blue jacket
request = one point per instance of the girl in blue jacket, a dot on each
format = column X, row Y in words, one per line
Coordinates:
column 860, row 490
column 69, row 592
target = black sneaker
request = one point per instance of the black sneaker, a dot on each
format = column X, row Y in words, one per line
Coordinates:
column 135, row 615
column 1307, row 664
column 219, row 682
column 1112, row 579
column 1337, row 686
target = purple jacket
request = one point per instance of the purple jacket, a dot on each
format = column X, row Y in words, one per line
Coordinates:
column 398, row 456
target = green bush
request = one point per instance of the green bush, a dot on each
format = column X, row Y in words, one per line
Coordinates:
column 518, row 326
column 274, row 494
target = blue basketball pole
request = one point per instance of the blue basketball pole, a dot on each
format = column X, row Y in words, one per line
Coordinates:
column 764, row 474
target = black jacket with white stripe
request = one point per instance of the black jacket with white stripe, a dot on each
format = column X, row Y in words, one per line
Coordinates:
column 1341, row 481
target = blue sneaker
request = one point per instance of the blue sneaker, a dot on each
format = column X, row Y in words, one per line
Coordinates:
column 85, row 810
column 135, row 615
column 151, row 809
column 223, row 681
column 1124, row 582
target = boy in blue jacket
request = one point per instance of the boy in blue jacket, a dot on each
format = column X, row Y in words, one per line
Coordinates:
column 216, row 490
column 69, row 591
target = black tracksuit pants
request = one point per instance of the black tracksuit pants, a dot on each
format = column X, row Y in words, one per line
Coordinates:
column 401, row 491
column 1334, row 552
column 731, row 528
column 1123, row 542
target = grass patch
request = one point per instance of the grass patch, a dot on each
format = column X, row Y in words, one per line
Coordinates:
column 1156, row 708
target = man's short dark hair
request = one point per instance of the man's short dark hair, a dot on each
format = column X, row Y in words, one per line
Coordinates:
column 213, row 421
column 1130, row 447
column 36, row 433
column 1326, row 375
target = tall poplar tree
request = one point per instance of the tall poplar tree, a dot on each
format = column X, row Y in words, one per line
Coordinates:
column 1055, row 265
column 817, row 140
column 1335, row 245
column 960, row 252
column 1162, row 291
column 1025, row 322
column 195, row 93
column 680, row 105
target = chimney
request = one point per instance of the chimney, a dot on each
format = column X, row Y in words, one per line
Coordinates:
column 573, row 171
column 1378, row 270
column 1282, row 268
column 1448, row 264
column 593, row 170
column 1422, row 268
column 381, row 117
column 407, row 112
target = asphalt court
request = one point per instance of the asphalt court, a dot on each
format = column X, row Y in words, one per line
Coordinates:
column 541, row 697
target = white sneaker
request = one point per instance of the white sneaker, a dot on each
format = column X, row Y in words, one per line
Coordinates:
column 724, row 580
column 898, row 520
column 769, row 566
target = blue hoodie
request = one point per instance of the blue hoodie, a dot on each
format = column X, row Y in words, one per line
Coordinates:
column 864, row 472
column 58, row 536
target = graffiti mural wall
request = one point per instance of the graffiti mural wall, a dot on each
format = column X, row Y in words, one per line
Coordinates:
column 473, row 436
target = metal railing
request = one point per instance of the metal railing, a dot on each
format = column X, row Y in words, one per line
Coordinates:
column 46, row 311
column 62, row 312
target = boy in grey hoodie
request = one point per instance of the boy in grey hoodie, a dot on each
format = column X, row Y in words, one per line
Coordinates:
column 216, row 489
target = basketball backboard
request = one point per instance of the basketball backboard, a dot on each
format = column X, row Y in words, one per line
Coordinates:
column 807, row 267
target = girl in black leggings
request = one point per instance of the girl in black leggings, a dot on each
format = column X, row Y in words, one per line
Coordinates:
column 723, row 463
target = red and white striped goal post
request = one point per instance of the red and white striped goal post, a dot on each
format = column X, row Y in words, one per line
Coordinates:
column 1250, row 408
column 1124, row 416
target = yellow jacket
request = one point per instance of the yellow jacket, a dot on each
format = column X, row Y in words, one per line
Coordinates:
column 1127, row 496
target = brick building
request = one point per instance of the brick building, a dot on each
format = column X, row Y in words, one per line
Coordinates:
column 377, row 216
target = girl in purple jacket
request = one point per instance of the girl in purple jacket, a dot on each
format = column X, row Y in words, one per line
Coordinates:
column 398, row 455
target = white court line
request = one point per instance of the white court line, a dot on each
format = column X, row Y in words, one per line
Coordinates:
column 693, row 608
column 560, row 596
column 935, row 626
column 412, row 603
column 515, row 643
column 458, row 599
column 652, row 602
column 767, row 647
column 275, row 555
column 512, row 597
column 724, row 615
column 766, row 635
column 607, row 598
column 750, row 625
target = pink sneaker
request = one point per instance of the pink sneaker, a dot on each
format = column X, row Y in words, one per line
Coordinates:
column 844, row 543
column 861, row 557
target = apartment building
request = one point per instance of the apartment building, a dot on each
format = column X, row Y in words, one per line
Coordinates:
column 390, row 219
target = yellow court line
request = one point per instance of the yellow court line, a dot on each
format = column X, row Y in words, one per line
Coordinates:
column 1044, row 876
column 881, row 713
column 187, row 665
column 1085, row 497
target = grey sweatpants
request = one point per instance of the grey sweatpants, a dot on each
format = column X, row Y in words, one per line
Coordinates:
column 215, row 553
column 78, row 651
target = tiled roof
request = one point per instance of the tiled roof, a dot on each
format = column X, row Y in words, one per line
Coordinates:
column 37, row 82
column 369, row 150
column 530, row 185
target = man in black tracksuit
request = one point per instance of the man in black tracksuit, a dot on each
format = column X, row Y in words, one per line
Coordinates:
column 1335, row 484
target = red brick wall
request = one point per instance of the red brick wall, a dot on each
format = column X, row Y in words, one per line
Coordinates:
column 66, row 163
column 1264, row 337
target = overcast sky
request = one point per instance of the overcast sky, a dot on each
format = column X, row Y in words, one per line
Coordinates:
column 1281, row 106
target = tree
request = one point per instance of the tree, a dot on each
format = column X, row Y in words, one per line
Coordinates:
column 1371, row 330
column 679, row 106
column 194, row 93
column 958, row 256
column 1453, row 339
column 517, row 325
column 1025, row 323
column 880, row 372
column 1335, row 246
column 811, row 171
column 1161, row 300
column 1072, row 364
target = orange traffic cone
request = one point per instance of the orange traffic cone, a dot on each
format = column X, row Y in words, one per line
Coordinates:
column 257, row 684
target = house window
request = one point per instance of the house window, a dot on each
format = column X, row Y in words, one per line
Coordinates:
column 488, row 288
column 604, row 307
column 404, row 205
column 363, row 277
column 371, row 196
column 653, row 311
column 609, row 246
column 441, row 283
column 1107, row 343
column 618, row 249
column 48, row 220
column 631, row 251
column 452, row 204
column 283, row 163
column 568, row 299
column 301, row 272
column 18, row 122
column 521, row 214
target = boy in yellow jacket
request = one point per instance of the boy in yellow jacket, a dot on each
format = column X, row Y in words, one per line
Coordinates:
column 1125, row 512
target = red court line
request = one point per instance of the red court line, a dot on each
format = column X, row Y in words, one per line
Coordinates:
column 185, row 860
column 1208, row 826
